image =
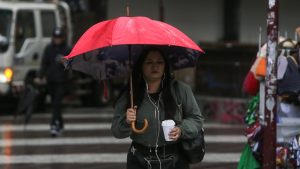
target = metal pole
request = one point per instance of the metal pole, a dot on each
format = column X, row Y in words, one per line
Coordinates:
column 127, row 9
column 269, row 133
column 161, row 11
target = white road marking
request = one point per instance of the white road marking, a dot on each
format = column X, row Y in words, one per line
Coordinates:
column 86, row 126
column 102, row 140
column 7, row 142
column 62, row 141
column 66, row 115
column 100, row 158
column 45, row 127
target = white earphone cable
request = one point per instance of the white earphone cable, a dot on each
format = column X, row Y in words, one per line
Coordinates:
column 156, row 107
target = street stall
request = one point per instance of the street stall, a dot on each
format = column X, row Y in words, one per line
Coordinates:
column 288, row 107
column 273, row 114
column 288, row 111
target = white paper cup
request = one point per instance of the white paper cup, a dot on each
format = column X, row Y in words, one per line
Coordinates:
column 167, row 125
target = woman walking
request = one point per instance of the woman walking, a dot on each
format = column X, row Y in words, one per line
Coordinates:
column 157, row 96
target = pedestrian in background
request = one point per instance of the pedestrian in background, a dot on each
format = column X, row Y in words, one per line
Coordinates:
column 53, row 71
column 156, row 97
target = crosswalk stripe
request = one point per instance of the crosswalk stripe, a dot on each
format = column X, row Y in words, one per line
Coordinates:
column 65, row 115
column 102, row 140
column 45, row 127
column 109, row 115
column 99, row 158
column 85, row 126
column 78, row 115
column 15, row 142
column 62, row 141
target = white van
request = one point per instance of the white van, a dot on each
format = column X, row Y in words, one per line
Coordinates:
column 25, row 30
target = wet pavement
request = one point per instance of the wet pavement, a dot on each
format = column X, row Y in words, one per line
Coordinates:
column 87, row 143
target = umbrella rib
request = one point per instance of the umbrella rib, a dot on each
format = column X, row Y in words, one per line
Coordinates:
column 168, row 32
column 113, row 31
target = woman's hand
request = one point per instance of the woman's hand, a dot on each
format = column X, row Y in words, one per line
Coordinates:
column 131, row 115
column 175, row 133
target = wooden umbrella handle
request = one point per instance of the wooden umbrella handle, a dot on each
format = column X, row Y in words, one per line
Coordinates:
column 139, row 131
column 134, row 129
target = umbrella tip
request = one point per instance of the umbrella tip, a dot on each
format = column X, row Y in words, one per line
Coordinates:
column 127, row 9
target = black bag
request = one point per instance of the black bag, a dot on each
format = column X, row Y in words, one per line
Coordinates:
column 193, row 149
column 290, row 83
column 166, row 161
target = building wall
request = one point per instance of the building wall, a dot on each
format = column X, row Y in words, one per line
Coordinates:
column 191, row 17
column 203, row 20
column 254, row 15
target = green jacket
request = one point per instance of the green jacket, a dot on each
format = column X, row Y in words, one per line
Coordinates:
column 188, row 117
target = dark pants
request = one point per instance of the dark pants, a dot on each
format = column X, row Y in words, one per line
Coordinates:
column 56, row 91
column 138, row 159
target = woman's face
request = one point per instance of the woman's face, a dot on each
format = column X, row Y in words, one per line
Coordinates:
column 153, row 66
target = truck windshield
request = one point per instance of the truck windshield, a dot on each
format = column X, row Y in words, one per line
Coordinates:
column 5, row 26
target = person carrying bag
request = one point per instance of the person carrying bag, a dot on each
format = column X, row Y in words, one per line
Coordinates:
column 155, row 94
column 193, row 148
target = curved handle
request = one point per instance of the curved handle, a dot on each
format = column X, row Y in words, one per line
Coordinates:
column 139, row 131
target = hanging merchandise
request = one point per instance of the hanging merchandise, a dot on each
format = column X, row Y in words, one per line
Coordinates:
column 288, row 88
column 290, row 82
column 261, row 68
column 254, row 137
column 288, row 72
column 252, row 114
column 281, row 65
column 282, row 156
column 247, row 160
column 253, row 131
column 287, row 110
column 295, row 151
column 250, row 84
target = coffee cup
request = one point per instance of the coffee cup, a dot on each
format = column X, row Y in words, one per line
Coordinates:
column 167, row 126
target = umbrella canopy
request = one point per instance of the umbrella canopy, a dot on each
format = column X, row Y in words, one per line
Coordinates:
column 109, row 48
column 102, row 51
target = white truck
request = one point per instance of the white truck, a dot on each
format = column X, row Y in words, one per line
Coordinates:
column 25, row 30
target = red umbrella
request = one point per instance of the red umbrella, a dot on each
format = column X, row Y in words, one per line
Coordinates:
column 131, row 30
column 105, row 49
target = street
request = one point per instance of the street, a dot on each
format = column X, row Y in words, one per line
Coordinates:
column 88, row 143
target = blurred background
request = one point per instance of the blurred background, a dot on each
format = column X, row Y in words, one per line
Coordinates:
column 228, row 31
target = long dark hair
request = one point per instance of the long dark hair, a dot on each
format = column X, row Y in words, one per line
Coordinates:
column 139, row 84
